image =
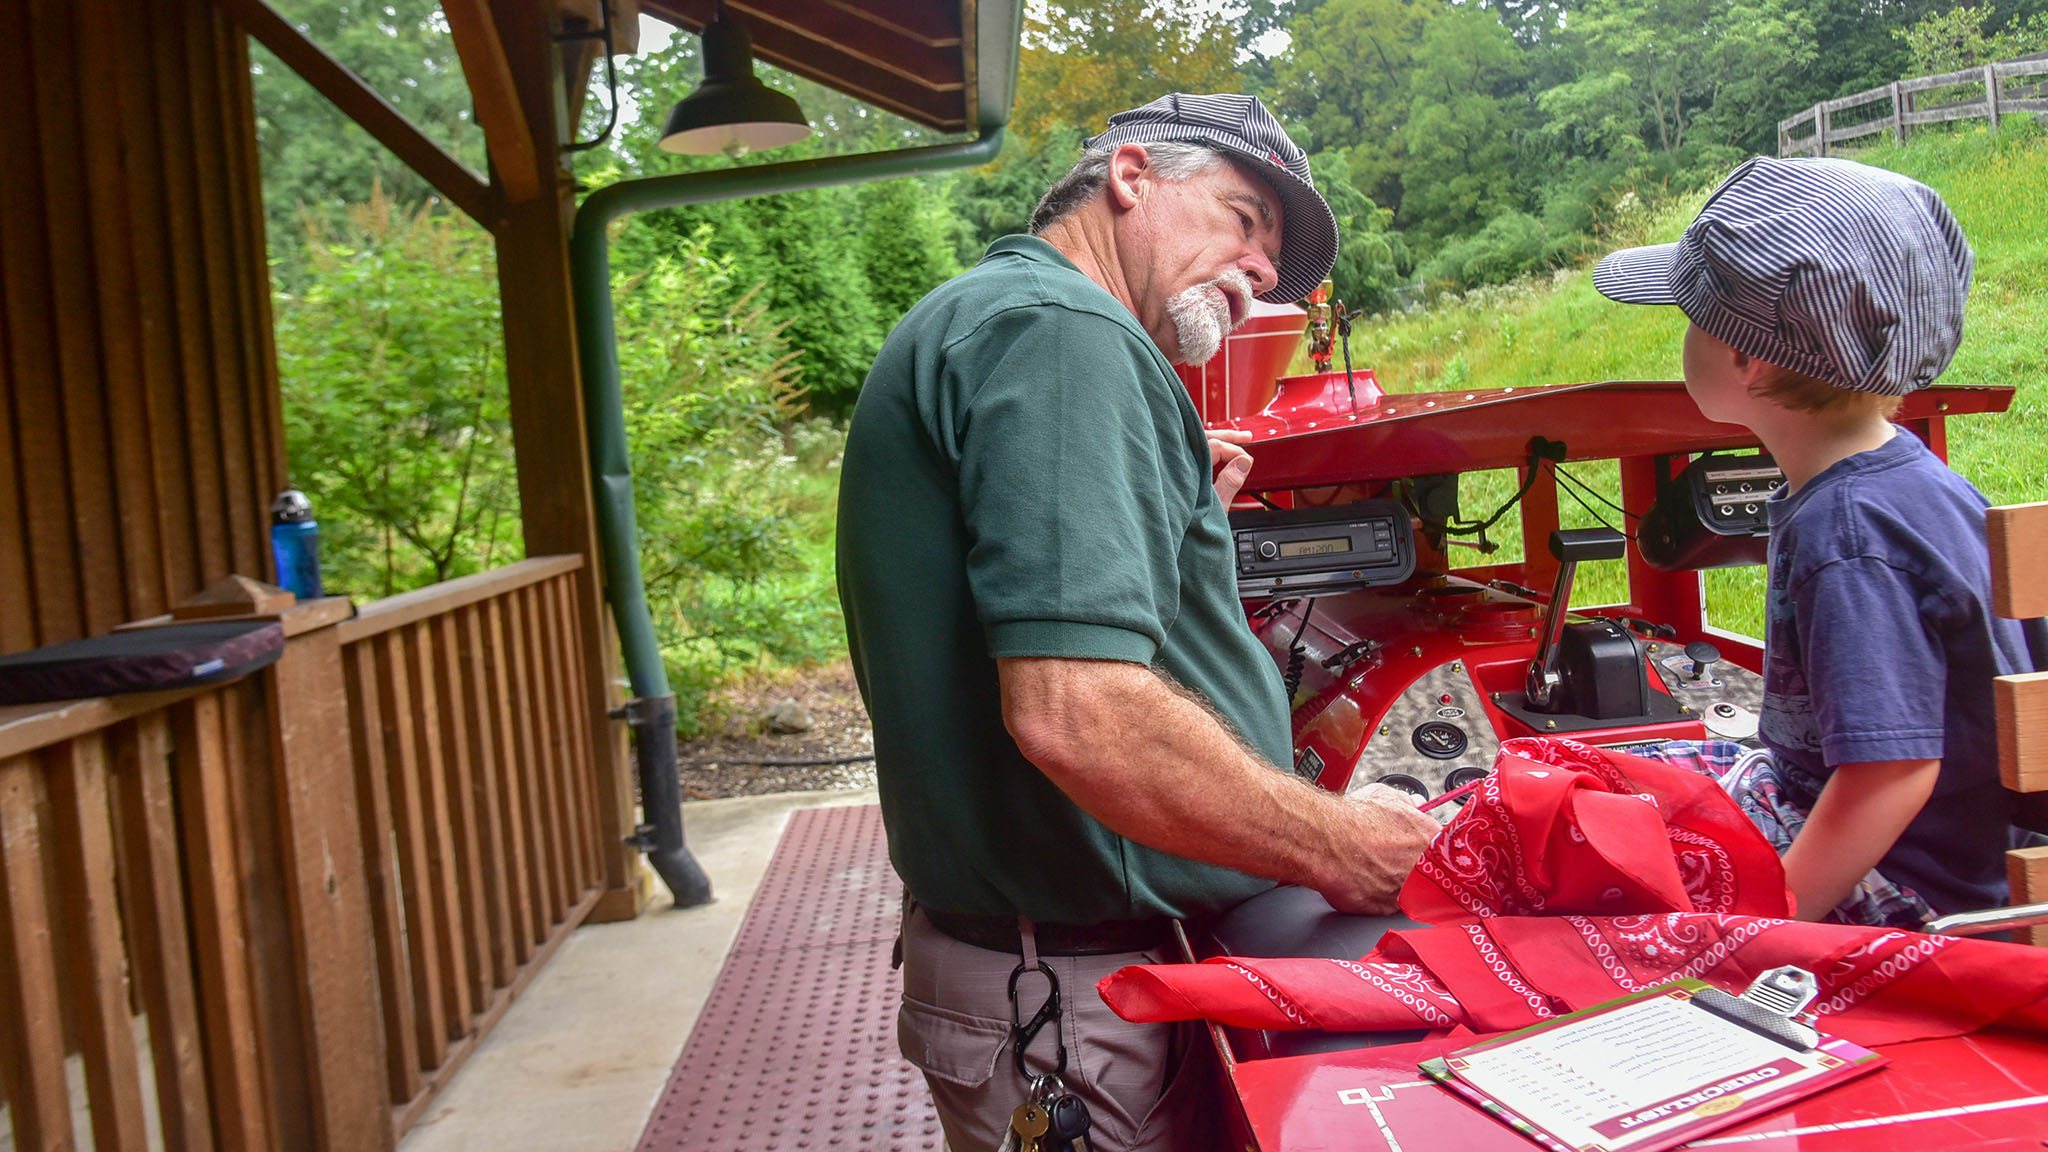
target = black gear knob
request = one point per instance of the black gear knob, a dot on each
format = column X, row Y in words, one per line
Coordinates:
column 1702, row 655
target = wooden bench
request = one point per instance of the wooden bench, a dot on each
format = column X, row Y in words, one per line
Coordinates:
column 2017, row 536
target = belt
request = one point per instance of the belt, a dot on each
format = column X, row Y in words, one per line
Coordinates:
column 999, row 934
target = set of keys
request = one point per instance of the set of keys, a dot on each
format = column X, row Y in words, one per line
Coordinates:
column 1051, row 1120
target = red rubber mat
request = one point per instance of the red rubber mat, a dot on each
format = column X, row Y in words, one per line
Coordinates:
column 796, row 1047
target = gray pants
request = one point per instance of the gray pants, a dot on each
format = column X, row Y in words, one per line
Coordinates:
column 1148, row 1086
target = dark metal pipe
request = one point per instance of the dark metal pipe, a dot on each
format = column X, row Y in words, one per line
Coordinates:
column 653, row 720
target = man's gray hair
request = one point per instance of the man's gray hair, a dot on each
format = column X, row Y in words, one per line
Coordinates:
column 1171, row 161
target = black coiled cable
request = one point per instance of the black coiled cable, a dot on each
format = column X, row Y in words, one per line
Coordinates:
column 1297, row 652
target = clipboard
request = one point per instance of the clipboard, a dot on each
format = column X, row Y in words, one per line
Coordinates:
column 1656, row 1068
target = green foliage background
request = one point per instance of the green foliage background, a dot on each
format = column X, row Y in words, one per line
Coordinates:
column 1474, row 153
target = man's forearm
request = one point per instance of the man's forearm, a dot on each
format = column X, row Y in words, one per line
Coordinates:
column 1156, row 766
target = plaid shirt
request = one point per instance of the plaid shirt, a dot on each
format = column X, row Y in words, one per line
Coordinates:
column 1750, row 776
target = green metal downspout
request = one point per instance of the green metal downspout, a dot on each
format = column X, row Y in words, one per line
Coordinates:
column 652, row 712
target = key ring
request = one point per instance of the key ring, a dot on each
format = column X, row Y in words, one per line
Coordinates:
column 1022, row 1034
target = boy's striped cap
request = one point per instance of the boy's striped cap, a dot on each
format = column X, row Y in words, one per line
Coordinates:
column 1836, row 270
column 1241, row 126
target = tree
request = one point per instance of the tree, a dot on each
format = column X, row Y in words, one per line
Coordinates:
column 996, row 199
column 1710, row 64
column 907, row 247
column 1083, row 62
column 1344, row 83
column 397, row 424
column 804, row 257
column 316, row 161
column 1466, row 112
column 1953, row 40
column 710, row 402
column 1372, row 260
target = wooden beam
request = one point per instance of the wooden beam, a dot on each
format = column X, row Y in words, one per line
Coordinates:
column 2026, row 869
column 2021, row 703
column 2017, row 535
column 327, row 889
column 497, row 101
column 347, row 91
column 556, row 504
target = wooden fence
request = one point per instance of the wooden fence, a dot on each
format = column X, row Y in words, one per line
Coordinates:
column 278, row 913
column 2000, row 96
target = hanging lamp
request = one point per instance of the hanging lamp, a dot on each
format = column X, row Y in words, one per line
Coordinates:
column 731, row 111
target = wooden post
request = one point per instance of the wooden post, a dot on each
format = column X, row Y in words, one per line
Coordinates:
column 1820, row 128
column 326, row 888
column 1898, row 114
column 555, row 498
column 1991, row 94
column 2026, row 870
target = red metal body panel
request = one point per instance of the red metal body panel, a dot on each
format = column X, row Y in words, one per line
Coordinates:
column 1372, row 664
column 1988, row 1091
column 1416, row 627
column 1239, row 380
column 1422, row 433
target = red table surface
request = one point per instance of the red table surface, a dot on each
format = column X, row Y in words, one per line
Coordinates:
column 1989, row 1090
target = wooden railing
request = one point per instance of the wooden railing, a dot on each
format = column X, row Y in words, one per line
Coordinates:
column 1992, row 80
column 278, row 913
column 473, row 769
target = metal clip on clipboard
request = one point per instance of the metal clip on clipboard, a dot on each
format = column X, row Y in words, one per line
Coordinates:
column 1774, row 1006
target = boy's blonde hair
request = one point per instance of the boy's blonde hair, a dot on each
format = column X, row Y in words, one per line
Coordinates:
column 1802, row 393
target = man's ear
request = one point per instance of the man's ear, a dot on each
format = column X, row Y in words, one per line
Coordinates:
column 1129, row 167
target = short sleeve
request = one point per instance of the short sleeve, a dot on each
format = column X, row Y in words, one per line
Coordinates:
column 1875, row 661
column 1075, row 469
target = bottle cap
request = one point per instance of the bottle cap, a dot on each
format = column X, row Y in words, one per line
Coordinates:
column 291, row 507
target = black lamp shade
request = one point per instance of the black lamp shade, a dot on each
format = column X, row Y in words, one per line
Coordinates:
column 732, row 111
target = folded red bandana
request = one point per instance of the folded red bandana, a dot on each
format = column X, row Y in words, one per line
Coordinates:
column 1877, row 985
column 1564, row 827
column 1576, row 875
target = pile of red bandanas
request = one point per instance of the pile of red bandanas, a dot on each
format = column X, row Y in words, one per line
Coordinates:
column 1575, row 875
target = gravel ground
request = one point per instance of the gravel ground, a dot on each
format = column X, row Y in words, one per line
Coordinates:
column 723, row 763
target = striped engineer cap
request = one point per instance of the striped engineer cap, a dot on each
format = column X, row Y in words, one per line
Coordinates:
column 1833, row 269
column 1241, row 126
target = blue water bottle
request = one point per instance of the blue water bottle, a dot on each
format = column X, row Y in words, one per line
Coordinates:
column 295, row 542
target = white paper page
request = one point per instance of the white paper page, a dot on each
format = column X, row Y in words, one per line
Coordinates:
column 1617, row 1063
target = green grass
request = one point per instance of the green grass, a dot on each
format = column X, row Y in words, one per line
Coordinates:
column 1557, row 330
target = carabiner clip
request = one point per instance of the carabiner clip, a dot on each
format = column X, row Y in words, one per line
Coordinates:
column 1023, row 1033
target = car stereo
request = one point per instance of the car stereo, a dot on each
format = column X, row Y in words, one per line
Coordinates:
column 1286, row 551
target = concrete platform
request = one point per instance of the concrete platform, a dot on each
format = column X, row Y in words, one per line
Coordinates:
column 577, row 1063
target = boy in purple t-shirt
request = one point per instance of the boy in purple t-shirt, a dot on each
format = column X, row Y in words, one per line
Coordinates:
column 1820, row 292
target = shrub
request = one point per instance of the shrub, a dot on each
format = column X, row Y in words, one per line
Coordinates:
column 727, row 482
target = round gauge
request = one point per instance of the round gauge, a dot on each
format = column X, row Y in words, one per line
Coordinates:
column 1408, row 784
column 1439, row 740
column 1460, row 777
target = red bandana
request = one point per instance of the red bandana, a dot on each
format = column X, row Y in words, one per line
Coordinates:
column 1576, row 875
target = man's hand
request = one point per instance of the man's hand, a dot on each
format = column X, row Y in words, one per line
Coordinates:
column 1371, row 883
column 1229, row 463
column 1153, row 764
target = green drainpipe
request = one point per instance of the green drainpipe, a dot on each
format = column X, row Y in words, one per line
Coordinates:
column 652, row 712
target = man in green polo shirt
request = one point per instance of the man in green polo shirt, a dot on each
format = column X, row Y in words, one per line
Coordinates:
column 1076, row 732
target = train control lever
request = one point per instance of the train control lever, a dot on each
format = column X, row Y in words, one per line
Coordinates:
column 1703, row 656
column 1569, row 546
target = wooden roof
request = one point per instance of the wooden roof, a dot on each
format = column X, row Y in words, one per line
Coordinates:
column 915, row 58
